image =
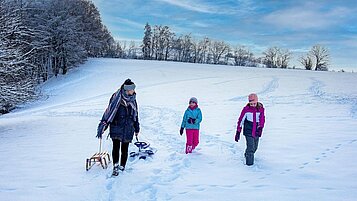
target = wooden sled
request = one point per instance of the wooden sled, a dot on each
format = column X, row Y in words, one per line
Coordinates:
column 101, row 157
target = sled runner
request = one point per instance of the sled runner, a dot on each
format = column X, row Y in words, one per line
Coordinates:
column 101, row 157
column 144, row 150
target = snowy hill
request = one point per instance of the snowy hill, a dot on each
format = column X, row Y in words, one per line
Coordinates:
column 307, row 151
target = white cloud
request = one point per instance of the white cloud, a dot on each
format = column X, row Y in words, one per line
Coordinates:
column 191, row 5
column 128, row 40
column 349, row 41
column 200, row 24
column 129, row 22
column 199, row 6
column 307, row 16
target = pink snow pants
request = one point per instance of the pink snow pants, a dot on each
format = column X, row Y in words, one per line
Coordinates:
column 193, row 136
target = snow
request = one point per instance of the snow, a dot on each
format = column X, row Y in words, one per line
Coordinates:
column 307, row 151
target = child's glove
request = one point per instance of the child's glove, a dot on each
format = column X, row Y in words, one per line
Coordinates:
column 236, row 137
column 259, row 131
column 181, row 131
column 191, row 121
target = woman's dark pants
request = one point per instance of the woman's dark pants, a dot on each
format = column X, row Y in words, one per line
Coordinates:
column 124, row 152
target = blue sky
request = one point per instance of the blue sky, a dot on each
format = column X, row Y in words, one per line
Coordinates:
column 296, row 25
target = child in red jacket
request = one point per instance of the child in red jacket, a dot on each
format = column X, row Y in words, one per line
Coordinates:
column 252, row 119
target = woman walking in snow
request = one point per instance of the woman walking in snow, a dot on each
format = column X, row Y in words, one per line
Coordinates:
column 191, row 121
column 252, row 118
column 122, row 118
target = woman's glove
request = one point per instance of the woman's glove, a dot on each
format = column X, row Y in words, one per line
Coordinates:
column 101, row 128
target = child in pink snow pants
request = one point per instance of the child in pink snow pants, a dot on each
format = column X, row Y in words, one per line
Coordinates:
column 191, row 121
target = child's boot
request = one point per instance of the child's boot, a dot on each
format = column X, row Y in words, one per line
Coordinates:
column 188, row 149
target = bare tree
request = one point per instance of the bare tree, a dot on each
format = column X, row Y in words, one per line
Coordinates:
column 199, row 49
column 132, row 50
column 217, row 49
column 321, row 55
column 276, row 57
column 115, row 50
column 242, row 56
column 284, row 56
column 169, row 42
column 306, row 61
column 203, row 45
column 186, row 48
column 271, row 57
column 163, row 39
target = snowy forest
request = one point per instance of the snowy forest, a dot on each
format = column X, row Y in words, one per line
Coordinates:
column 40, row 39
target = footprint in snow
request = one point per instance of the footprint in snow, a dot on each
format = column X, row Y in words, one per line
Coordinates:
column 200, row 189
column 303, row 165
column 259, row 186
column 9, row 189
column 229, row 186
column 328, row 188
column 109, row 186
column 157, row 171
column 285, row 171
column 142, row 188
column 338, row 146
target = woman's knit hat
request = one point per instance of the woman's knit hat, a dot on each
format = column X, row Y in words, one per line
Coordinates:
column 129, row 85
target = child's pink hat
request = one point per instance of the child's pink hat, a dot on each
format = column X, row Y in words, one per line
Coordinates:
column 253, row 98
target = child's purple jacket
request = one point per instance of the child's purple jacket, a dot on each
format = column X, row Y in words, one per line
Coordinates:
column 254, row 112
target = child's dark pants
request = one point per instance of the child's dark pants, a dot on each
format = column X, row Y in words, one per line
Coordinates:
column 252, row 146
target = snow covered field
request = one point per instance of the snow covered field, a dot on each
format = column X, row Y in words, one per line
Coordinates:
column 308, row 150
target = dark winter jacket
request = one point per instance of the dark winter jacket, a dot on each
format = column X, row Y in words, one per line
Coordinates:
column 251, row 118
column 124, row 125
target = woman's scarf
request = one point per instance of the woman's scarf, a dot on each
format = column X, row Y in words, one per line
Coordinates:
column 130, row 101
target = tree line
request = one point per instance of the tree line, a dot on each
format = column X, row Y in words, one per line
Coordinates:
column 161, row 43
column 41, row 39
